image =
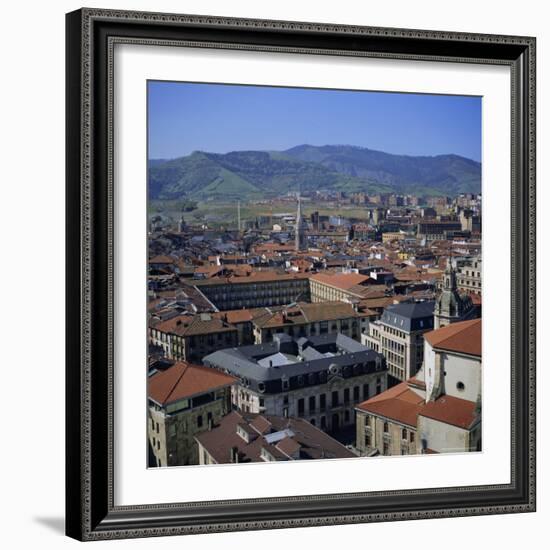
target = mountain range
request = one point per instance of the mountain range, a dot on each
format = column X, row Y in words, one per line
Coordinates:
column 347, row 168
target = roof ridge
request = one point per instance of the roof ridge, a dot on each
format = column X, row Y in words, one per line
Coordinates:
column 174, row 386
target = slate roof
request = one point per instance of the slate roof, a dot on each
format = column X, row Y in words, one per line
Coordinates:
column 244, row 360
column 409, row 316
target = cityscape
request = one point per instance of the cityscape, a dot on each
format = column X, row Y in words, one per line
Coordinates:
column 312, row 301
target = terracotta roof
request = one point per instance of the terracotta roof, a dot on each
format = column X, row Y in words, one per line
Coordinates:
column 343, row 281
column 399, row 403
column 183, row 380
column 451, row 410
column 462, row 337
column 190, row 325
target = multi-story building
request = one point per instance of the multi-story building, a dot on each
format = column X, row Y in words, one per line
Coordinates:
column 305, row 320
column 469, row 276
column 399, row 336
column 329, row 287
column 438, row 410
column 257, row 289
column 245, row 437
column 437, row 230
column 320, row 378
column 191, row 337
column 184, row 400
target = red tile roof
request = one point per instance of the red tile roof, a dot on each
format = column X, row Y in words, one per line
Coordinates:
column 343, row 281
column 451, row 410
column 399, row 403
column 462, row 337
column 183, row 380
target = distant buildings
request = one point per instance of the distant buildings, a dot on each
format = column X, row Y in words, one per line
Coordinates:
column 319, row 378
column 306, row 320
column 399, row 336
column 184, row 400
column 244, row 437
column 439, row 410
column 437, row 230
column 258, row 289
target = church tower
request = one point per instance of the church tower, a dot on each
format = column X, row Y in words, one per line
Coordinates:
column 300, row 229
column 450, row 306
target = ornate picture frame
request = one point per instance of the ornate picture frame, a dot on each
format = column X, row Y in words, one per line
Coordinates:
column 91, row 337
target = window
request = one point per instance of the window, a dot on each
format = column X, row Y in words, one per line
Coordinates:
column 323, row 401
column 460, row 386
column 323, row 422
column 386, row 449
column 411, row 437
column 199, row 421
column 158, row 444
column 312, row 403
column 346, row 416
column 334, row 398
column 157, row 427
column 403, row 434
column 386, row 428
column 365, row 391
column 346, row 395
column 356, row 393
column 367, row 440
column 300, row 407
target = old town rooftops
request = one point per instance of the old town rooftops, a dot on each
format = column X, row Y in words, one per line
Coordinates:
column 268, row 438
column 462, row 337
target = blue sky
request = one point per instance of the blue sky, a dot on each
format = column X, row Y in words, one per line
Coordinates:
column 218, row 118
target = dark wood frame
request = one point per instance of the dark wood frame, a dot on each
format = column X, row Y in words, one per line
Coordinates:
column 90, row 510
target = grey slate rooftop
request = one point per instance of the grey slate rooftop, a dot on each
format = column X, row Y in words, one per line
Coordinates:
column 305, row 358
column 409, row 316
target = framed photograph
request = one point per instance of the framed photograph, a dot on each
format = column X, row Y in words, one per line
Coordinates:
column 300, row 274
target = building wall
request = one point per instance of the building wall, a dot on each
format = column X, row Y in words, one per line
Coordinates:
column 458, row 371
column 195, row 347
column 351, row 327
column 174, row 443
column 321, row 292
column 328, row 418
column 257, row 294
column 444, row 438
column 375, row 434
column 469, row 277
column 403, row 350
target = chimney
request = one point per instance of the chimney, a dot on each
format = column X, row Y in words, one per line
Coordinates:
column 234, row 455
